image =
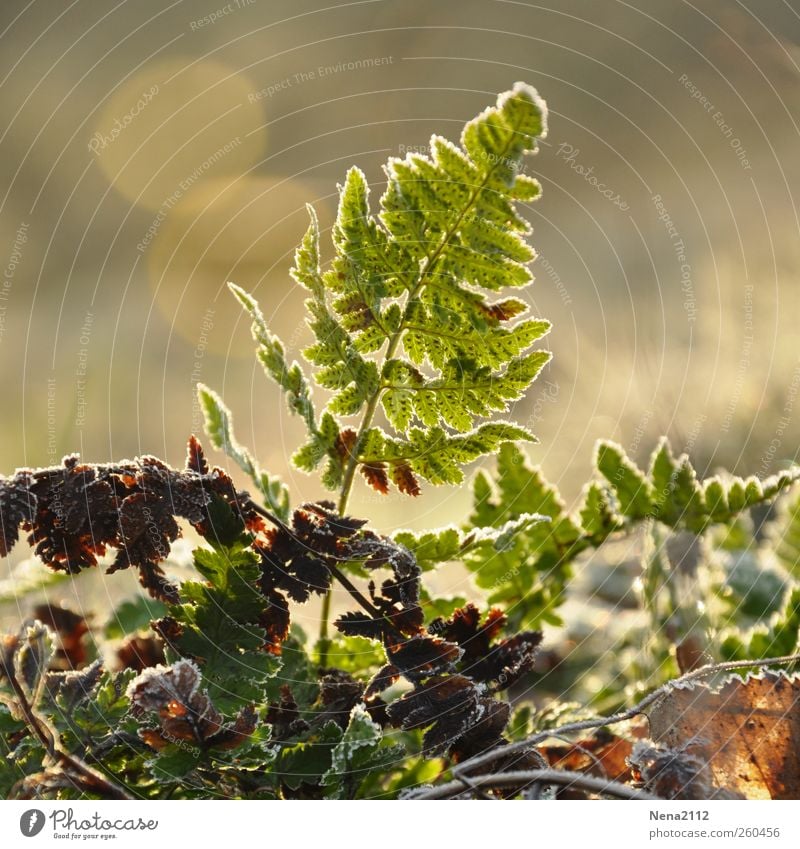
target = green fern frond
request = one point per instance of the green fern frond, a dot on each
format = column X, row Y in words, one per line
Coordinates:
column 219, row 427
column 672, row 493
column 781, row 637
column 784, row 535
column 403, row 318
column 529, row 578
column 529, row 575
column 218, row 618
column 433, row 453
column 271, row 354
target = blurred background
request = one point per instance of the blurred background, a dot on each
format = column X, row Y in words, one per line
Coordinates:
column 151, row 151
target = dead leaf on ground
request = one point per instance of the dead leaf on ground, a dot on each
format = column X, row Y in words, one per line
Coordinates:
column 602, row 754
column 748, row 730
column 675, row 773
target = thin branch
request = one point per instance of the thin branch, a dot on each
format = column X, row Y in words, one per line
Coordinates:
column 271, row 517
column 39, row 728
column 576, row 780
column 48, row 737
column 630, row 713
column 340, row 577
column 356, row 594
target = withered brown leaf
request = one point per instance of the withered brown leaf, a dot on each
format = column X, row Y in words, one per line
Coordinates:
column 17, row 505
column 462, row 720
column 284, row 717
column 501, row 664
column 375, row 475
column 140, row 652
column 747, row 730
column 185, row 712
column 404, row 478
column 419, row 657
column 603, row 754
column 383, row 678
column 502, row 310
column 675, row 773
column 76, row 511
column 357, row 624
column 71, row 629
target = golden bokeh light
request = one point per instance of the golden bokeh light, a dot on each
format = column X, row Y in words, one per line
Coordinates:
column 244, row 230
column 172, row 124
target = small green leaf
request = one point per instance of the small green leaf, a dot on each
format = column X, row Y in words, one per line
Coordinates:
column 633, row 491
column 431, row 548
column 361, row 737
column 781, row 637
column 356, row 655
column 219, row 619
column 306, row 762
column 435, row 455
column 133, row 615
column 784, row 534
column 528, row 571
column 174, row 763
column 219, row 427
column 597, row 514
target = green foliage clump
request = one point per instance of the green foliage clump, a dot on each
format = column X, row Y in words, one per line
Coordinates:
column 403, row 317
column 208, row 688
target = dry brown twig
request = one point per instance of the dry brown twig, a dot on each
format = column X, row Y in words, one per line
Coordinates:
column 520, row 778
column 464, row 773
column 74, row 770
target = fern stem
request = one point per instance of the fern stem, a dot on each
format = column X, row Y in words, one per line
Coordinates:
column 74, row 768
column 324, row 618
column 344, row 497
column 366, row 423
column 356, row 594
column 391, row 349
